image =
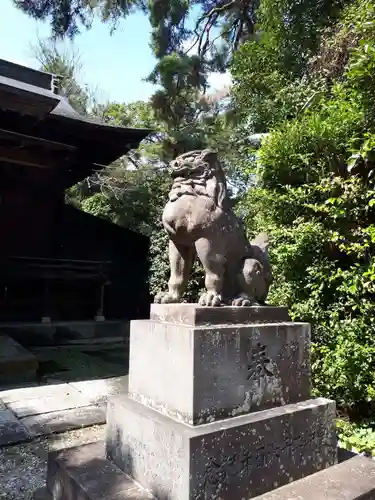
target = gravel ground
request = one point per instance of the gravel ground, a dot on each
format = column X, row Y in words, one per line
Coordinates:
column 23, row 466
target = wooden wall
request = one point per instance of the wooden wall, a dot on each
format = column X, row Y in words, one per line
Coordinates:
column 36, row 223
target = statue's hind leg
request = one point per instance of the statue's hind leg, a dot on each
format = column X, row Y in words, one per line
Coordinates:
column 213, row 262
column 181, row 259
column 252, row 287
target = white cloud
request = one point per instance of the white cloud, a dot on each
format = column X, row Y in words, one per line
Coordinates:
column 190, row 47
column 218, row 81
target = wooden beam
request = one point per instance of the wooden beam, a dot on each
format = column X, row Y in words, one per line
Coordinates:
column 28, row 158
column 38, row 141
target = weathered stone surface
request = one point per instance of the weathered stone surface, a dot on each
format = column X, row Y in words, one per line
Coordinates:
column 83, row 473
column 62, row 421
column 16, row 363
column 48, row 404
column 98, row 391
column 197, row 375
column 11, row 430
column 238, row 458
column 353, row 479
column 195, row 315
column 36, row 392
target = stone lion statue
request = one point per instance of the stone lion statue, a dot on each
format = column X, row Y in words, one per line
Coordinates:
column 200, row 222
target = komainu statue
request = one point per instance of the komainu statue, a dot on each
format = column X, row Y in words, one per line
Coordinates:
column 199, row 221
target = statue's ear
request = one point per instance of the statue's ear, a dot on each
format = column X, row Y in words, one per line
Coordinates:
column 221, row 195
column 216, row 183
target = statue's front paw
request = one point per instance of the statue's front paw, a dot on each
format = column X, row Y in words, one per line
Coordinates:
column 210, row 299
column 242, row 302
column 166, row 298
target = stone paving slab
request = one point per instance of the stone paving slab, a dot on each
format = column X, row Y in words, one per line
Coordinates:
column 35, row 392
column 28, row 412
column 62, row 421
column 48, row 404
column 11, row 429
column 353, row 479
column 98, row 391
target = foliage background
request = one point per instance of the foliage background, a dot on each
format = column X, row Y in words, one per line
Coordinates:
column 315, row 194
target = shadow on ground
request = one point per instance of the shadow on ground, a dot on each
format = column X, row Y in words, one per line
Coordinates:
column 72, row 365
column 64, row 364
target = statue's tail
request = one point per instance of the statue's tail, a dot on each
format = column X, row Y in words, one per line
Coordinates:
column 261, row 241
column 259, row 250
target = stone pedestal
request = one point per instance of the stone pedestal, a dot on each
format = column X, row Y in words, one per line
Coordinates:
column 219, row 404
column 197, row 374
column 237, row 458
column 219, row 407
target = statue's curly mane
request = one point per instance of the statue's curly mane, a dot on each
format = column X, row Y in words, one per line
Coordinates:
column 199, row 173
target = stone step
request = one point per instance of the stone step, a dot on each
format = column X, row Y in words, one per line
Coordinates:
column 83, row 473
column 353, row 479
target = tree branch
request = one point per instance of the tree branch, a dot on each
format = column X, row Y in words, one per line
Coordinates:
column 215, row 10
column 210, row 17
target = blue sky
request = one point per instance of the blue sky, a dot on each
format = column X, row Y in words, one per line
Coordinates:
column 114, row 64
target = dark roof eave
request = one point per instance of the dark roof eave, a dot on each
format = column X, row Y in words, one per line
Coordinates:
column 64, row 112
column 59, row 122
column 25, row 98
column 25, row 75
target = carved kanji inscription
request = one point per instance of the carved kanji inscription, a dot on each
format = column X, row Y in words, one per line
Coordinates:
column 259, row 363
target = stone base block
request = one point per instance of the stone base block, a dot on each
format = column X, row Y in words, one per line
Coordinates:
column 201, row 374
column 195, row 315
column 232, row 459
column 83, row 473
